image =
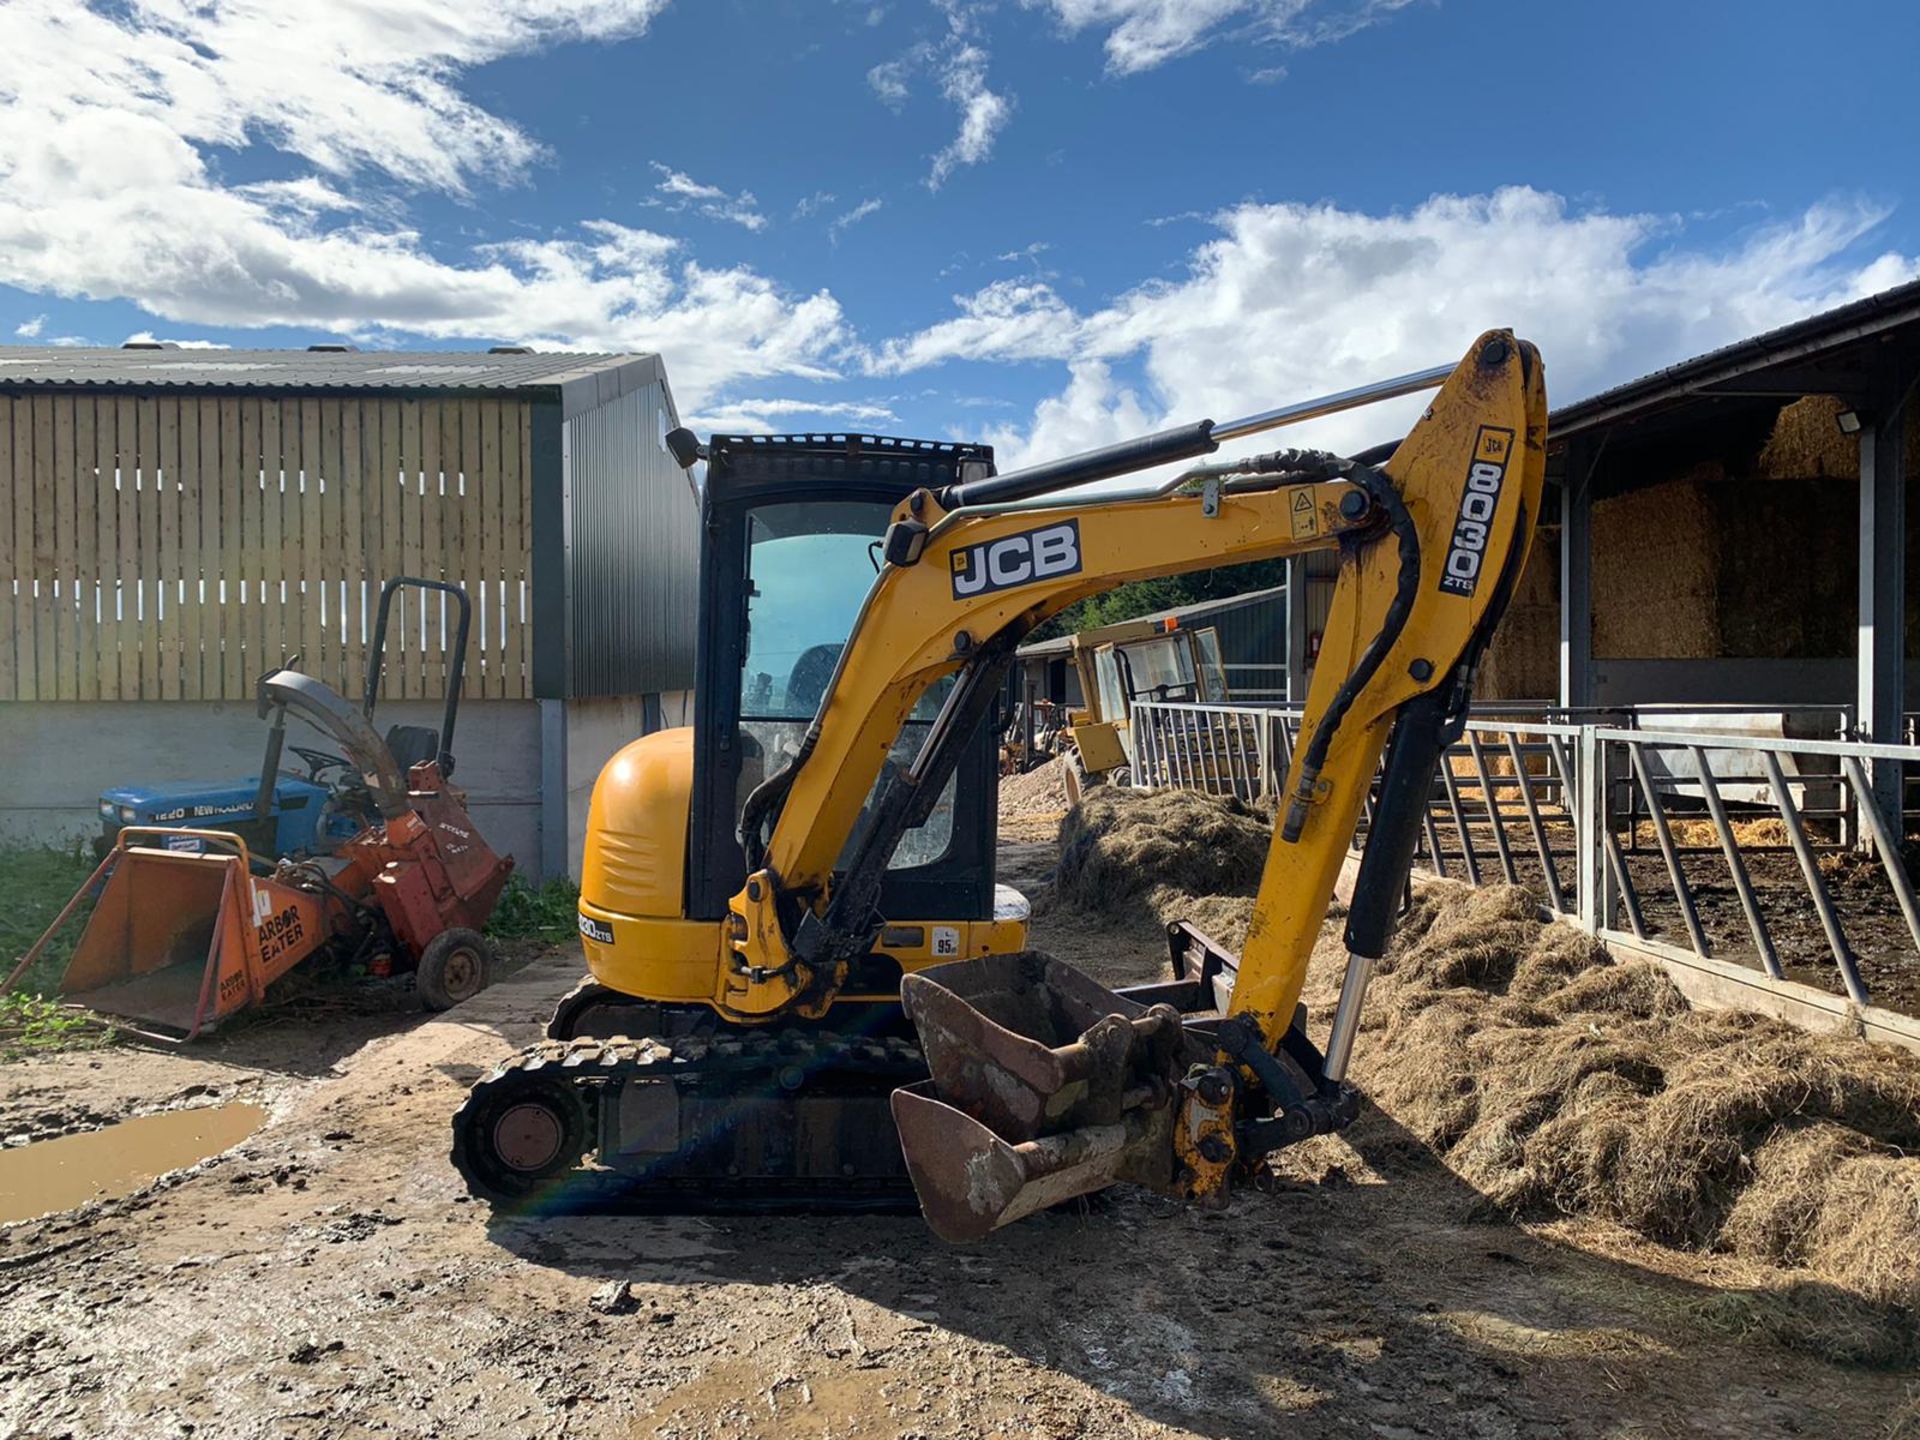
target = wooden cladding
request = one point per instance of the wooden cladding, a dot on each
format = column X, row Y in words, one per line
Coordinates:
column 176, row 547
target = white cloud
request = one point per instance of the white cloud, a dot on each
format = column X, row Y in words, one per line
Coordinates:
column 842, row 223
column 114, row 116
column 960, row 62
column 984, row 113
column 683, row 192
column 813, row 204
column 759, row 417
column 1290, row 301
column 1141, row 34
column 30, row 329
column 888, row 79
column 348, row 85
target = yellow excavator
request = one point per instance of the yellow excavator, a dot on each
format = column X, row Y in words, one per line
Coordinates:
column 806, row 990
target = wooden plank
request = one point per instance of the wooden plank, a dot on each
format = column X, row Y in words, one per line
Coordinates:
column 485, row 498
column 65, row 550
column 200, row 517
column 183, row 623
column 391, row 509
column 513, row 545
column 244, row 470
column 126, row 453
column 212, row 580
column 328, row 551
column 312, row 644
column 225, row 480
column 46, row 562
column 353, row 505
column 293, row 638
column 432, row 557
column 86, row 567
column 472, row 573
column 154, row 495
column 168, row 628
column 106, row 508
column 272, row 602
column 9, row 560
column 412, row 518
column 26, row 659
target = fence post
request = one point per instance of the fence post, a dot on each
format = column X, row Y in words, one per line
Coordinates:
column 1589, row 832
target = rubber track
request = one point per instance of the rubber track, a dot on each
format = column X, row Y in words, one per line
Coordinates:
column 599, row 1065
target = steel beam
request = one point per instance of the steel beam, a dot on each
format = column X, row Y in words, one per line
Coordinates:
column 1880, row 690
column 1576, row 578
column 1297, row 630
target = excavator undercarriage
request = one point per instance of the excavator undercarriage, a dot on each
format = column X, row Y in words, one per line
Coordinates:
column 806, row 991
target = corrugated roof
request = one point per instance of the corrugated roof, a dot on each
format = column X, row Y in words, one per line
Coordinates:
column 599, row 375
column 1802, row 340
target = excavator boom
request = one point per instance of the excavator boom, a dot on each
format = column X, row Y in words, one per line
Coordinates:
column 1044, row 1085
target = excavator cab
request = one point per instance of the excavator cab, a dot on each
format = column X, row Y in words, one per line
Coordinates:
column 795, row 524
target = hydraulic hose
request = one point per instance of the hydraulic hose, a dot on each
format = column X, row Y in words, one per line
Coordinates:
column 1379, row 488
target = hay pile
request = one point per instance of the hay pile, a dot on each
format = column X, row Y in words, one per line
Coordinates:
column 1657, row 595
column 1151, row 856
column 1040, row 794
column 1562, row 1083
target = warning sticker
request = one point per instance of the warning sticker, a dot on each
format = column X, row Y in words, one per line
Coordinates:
column 946, row 942
column 1306, row 520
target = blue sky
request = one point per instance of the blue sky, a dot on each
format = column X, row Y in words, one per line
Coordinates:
column 1049, row 223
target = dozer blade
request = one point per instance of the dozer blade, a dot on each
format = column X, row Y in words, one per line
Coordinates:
column 1044, row 1085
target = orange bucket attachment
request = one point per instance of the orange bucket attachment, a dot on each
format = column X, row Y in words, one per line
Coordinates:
column 1045, row 1085
column 178, row 941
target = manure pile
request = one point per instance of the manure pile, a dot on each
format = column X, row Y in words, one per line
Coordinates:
column 1563, row 1083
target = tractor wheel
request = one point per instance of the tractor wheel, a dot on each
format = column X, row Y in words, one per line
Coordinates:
column 455, row 966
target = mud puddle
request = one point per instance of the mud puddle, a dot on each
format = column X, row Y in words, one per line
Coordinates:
column 53, row 1175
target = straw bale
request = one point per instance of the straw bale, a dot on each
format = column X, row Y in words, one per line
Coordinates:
column 1807, row 443
column 1655, row 575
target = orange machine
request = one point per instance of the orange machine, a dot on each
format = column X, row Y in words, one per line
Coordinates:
column 185, row 930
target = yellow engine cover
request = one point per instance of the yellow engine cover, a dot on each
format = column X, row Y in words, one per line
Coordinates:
column 633, row 924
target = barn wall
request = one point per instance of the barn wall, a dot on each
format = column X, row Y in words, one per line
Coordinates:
column 161, row 546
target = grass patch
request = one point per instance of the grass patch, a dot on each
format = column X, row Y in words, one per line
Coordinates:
column 30, row 1025
column 550, row 912
column 34, row 883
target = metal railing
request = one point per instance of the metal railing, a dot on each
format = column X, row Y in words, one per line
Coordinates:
column 1766, row 852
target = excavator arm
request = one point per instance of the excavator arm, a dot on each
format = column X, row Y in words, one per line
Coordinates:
column 1066, row 1086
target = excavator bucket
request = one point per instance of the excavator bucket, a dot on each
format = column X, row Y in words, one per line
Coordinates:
column 179, row 940
column 1044, row 1085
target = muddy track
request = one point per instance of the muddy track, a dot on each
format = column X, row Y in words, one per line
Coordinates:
column 330, row 1278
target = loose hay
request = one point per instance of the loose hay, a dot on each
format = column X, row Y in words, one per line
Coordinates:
column 1561, row 1082
column 1121, row 845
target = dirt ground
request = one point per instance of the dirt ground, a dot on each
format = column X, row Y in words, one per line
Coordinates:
column 328, row 1277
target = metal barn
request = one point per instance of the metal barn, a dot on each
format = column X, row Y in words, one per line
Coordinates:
column 179, row 521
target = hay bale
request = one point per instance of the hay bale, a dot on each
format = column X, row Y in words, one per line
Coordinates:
column 1121, row 845
column 1656, row 572
column 1806, row 443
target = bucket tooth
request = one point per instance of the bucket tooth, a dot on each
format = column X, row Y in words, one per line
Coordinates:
column 1044, row 1085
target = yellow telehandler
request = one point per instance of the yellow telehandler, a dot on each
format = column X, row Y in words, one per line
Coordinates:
column 806, row 990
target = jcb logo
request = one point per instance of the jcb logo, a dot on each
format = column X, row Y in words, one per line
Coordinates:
column 1017, row 560
column 1492, row 448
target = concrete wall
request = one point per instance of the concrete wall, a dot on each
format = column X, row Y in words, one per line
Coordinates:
column 57, row 756
column 595, row 729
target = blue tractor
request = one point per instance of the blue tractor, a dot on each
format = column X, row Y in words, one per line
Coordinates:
column 297, row 815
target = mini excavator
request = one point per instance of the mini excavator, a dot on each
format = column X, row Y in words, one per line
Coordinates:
column 806, row 991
